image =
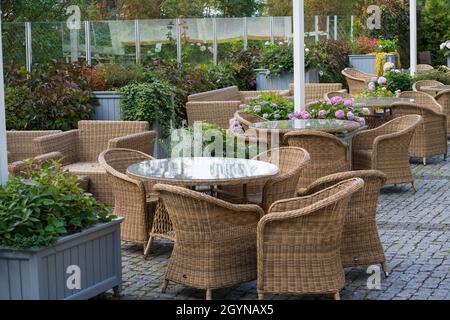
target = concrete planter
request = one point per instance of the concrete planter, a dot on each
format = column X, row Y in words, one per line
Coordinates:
column 367, row 63
column 282, row 82
column 109, row 106
column 448, row 61
column 47, row 273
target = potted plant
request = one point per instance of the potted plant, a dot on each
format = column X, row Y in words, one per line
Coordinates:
column 270, row 107
column 277, row 62
column 445, row 47
column 370, row 55
column 55, row 241
column 337, row 108
column 378, row 87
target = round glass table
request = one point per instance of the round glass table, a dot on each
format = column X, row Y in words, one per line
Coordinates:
column 325, row 125
column 379, row 102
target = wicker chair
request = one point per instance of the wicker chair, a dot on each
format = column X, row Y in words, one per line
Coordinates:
column 21, row 147
column 316, row 91
column 216, row 240
column 357, row 81
column 133, row 199
column 424, row 67
column 419, row 86
column 247, row 119
column 430, row 138
column 443, row 98
column 328, row 154
column 386, row 149
column 361, row 245
column 219, row 106
column 299, row 243
column 81, row 148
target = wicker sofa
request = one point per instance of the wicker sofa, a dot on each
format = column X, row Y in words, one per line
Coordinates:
column 21, row 147
column 219, row 106
column 80, row 149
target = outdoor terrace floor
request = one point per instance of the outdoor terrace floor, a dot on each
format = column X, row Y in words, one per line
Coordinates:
column 414, row 229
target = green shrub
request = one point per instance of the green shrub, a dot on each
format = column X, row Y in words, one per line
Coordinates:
column 54, row 96
column 151, row 101
column 333, row 58
column 398, row 81
column 43, row 205
column 113, row 76
column 441, row 75
column 388, row 45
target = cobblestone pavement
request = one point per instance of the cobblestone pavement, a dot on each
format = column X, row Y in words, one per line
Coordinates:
column 414, row 229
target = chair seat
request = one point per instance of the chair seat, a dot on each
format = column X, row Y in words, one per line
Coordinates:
column 85, row 168
column 255, row 199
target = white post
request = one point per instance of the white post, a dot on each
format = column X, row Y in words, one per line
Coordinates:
column 87, row 38
column 179, row 43
column 328, row 27
column 413, row 35
column 3, row 147
column 316, row 28
column 245, row 29
column 28, row 46
column 137, row 41
column 352, row 24
column 271, row 31
column 299, row 55
column 215, row 44
column 335, row 27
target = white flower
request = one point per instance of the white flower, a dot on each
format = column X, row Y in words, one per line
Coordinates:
column 448, row 45
column 306, row 50
column 280, row 43
column 388, row 66
column 267, row 43
column 202, row 48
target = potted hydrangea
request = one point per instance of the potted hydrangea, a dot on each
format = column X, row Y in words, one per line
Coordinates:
column 377, row 87
column 445, row 47
column 336, row 108
column 270, row 107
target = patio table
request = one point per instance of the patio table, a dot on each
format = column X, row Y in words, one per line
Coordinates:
column 196, row 172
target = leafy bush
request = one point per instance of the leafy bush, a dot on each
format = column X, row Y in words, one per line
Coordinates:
column 113, row 76
column 43, row 205
column 388, row 45
column 398, row 81
column 441, row 75
column 54, row 96
column 365, row 45
column 151, row 101
column 271, row 107
column 333, row 58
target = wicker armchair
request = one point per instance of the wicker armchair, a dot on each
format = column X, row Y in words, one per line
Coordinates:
column 357, row 81
column 328, row 154
column 424, row 67
column 21, row 147
column 386, row 149
column 216, row 240
column 361, row 245
column 430, row 137
column 443, row 98
column 316, row 91
column 133, row 199
column 219, row 106
column 419, row 86
column 80, row 149
column 299, row 243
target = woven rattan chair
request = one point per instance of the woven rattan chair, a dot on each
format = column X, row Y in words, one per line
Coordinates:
column 443, row 98
column 216, row 240
column 430, row 137
column 424, row 67
column 219, row 106
column 328, row 154
column 357, row 81
column 21, row 148
column 386, row 149
column 316, row 91
column 419, row 86
column 133, row 200
column 361, row 245
column 81, row 148
column 299, row 243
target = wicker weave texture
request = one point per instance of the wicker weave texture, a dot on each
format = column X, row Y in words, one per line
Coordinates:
column 419, row 86
column 316, row 91
column 443, row 98
column 357, row 81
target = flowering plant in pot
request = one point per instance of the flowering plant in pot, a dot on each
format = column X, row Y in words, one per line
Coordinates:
column 270, row 107
column 377, row 87
column 445, row 48
column 336, row 108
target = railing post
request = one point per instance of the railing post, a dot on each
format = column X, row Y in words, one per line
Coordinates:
column 87, row 39
column 335, row 27
column 316, row 28
column 272, row 37
column 245, row 27
column 328, row 27
column 137, row 41
column 215, row 46
column 28, row 46
column 352, row 26
column 179, row 43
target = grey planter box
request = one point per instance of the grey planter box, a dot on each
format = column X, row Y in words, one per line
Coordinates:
column 448, row 61
column 282, row 82
column 366, row 62
column 109, row 106
column 42, row 274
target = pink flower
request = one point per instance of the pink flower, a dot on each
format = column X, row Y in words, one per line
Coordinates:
column 382, row 80
column 348, row 103
column 371, row 86
column 361, row 120
column 306, row 115
column 374, row 79
column 350, row 116
column 340, row 114
column 322, row 113
column 336, row 100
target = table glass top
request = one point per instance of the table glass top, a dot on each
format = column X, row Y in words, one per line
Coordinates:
column 379, row 101
column 312, row 124
column 199, row 169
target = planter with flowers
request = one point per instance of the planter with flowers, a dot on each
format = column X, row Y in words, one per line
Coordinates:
column 445, row 48
column 277, row 67
column 336, row 108
column 271, row 107
column 377, row 88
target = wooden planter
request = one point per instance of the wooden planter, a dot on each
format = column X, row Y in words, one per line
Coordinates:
column 109, row 106
column 282, row 82
column 44, row 274
column 367, row 62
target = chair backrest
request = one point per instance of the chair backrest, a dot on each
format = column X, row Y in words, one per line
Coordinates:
column 225, row 94
column 417, row 86
column 316, row 91
column 443, row 98
column 424, row 67
column 93, row 136
column 333, row 94
column 356, row 74
column 328, row 154
column 422, row 99
column 21, row 145
column 290, row 161
column 402, row 124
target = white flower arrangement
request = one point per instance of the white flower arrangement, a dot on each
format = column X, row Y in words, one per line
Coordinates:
column 445, row 46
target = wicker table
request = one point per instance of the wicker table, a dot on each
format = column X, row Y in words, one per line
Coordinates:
column 197, row 172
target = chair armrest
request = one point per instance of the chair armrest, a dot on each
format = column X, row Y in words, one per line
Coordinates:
column 17, row 167
column 142, row 141
column 65, row 142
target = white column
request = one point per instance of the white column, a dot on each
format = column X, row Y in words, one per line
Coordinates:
column 413, row 35
column 3, row 147
column 299, row 55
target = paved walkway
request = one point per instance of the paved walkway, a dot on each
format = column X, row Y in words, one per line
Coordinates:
column 414, row 229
